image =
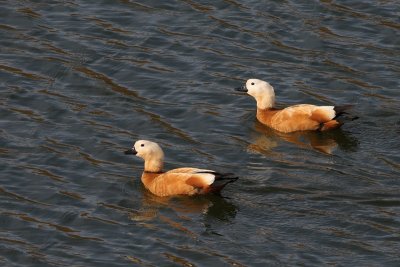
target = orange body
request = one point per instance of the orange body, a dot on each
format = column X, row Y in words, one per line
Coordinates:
column 182, row 181
column 298, row 118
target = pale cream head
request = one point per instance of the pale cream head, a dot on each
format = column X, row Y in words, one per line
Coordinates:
column 262, row 91
column 152, row 154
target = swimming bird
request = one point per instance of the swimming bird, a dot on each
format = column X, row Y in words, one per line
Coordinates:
column 294, row 118
column 181, row 181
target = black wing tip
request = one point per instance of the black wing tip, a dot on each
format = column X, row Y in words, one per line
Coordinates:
column 222, row 176
column 342, row 111
column 219, row 184
column 226, row 179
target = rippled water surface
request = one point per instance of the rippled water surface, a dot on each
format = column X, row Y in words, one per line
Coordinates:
column 81, row 80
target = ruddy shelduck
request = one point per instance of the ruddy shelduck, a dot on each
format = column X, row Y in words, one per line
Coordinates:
column 181, row 181
column 294, row 118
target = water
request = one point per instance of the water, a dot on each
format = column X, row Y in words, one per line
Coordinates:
column 82, row 80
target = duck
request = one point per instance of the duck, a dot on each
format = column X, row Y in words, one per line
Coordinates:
column 301, row 117
column 181, row 181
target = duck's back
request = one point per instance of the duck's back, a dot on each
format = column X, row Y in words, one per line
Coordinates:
column 182, row 181
column 297, row 118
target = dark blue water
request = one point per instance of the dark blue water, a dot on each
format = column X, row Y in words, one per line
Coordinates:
column 80, row 81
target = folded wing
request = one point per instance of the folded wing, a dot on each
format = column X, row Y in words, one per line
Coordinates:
column 189, row 181
column 304, row 117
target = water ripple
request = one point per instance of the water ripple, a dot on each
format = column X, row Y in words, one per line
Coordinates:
column 81, row 81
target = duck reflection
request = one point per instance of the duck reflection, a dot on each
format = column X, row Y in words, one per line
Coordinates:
column 209, row 205
column 266, row 139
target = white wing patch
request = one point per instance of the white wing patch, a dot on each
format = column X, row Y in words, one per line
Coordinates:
column 208, row 178
column 309, row 109
column 207, row 175
column 329, row 110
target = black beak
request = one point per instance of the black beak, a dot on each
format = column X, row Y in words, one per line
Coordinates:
column 131, row 152
column 242, row 89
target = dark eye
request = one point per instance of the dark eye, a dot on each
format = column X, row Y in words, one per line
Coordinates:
column 252, row 83
column 142, row 145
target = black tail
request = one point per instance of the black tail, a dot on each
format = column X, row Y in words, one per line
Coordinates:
column 341, row 111
column 221, row 180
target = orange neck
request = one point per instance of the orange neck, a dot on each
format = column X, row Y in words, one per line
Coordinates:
column 153, row 164
column 265, row 115
column 148, row 177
